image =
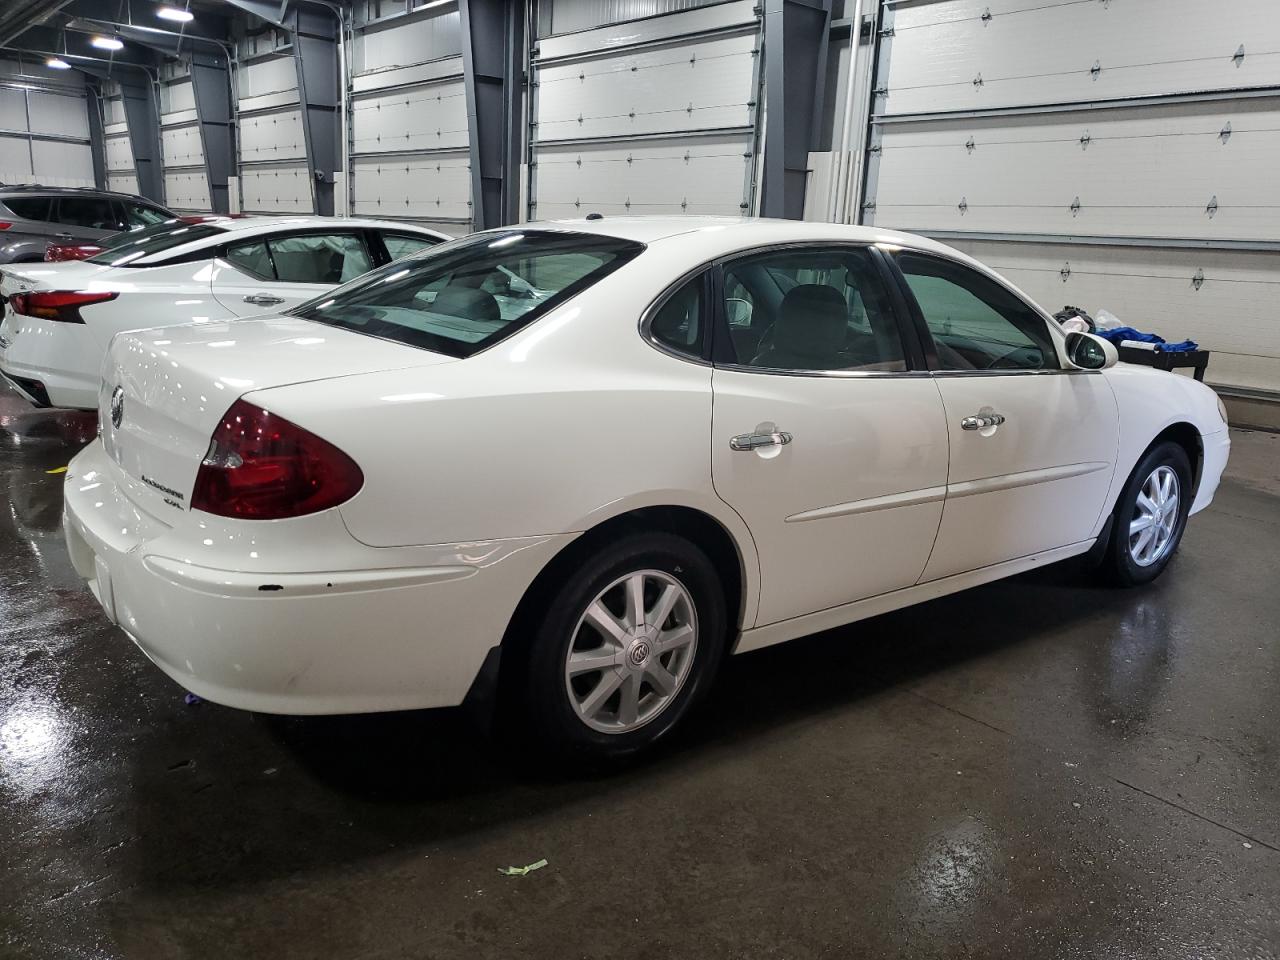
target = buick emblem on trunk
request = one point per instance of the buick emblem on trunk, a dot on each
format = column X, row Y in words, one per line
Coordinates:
column 117, row 406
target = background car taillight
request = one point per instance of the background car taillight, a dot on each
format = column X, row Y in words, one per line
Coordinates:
column 61, row 252
column 263, row 467
column 62, row 305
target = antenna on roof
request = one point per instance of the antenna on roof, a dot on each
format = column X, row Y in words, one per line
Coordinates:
column 595, row 216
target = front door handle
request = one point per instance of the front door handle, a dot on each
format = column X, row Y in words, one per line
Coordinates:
column 263, row 299
column 982, row 421
column 753, row 441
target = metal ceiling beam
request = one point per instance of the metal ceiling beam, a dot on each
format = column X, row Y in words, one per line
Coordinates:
column 795, row 49
column 18, row 17
column 141, row 15
column 272, row 11
column 77, row 49
column 492, row 59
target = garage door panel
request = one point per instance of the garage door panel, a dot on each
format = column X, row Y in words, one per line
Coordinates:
column 414, row 187
column 272, row 136
column 186, row 190
column 430, row 117
column 704, row 175
column 1230, row 312
column 276, row 188
column 1031, row 52
column 182, row 146
column 692, row 86
column 119, row 153
column 57, row 114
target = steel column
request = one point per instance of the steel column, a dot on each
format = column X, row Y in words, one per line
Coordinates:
column 492, row 59
column 315, row 53
column 796, row 33
column 97, row 135
column 211, row 84
column 142, row 116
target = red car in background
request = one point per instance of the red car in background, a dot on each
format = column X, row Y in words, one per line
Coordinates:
column 59, row 252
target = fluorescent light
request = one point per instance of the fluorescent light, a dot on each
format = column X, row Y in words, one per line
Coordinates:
column 173, row 13
column 55, row 63
column 108, row 43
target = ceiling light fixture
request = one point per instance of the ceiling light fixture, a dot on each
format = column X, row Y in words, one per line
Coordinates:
column 108, row 43
column 176, row 15
column 57, row 63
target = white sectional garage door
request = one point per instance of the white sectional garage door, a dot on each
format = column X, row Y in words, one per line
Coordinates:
column 652, row 116
column 122, row 174
column 1103, row 162
column 274, row 176
column 44, row 126
column 409, row 142
column 186, row 182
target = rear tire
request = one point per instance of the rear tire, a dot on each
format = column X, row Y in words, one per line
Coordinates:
column 1149, row 518
column 602, row 681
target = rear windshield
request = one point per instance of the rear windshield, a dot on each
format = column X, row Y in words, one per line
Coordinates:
column 140, row 233
column 461, row 297
column 128, row 247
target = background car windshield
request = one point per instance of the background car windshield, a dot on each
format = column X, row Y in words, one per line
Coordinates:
column 464, row 296
column 144, row 243
column 138, row 234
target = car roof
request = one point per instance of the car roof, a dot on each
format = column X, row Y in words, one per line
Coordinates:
column 25, row 188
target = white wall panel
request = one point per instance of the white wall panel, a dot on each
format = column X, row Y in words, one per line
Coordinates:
column 15, row 160
column 177, row 97
column 263, row 84
column 415, row 39
column 276, row 188
column 65, row 164
column 1233, row 313
column 427, row 117
column 1023, row 174
column 272, row 136
column 1033, row 51
column 58, row 114
column 13, row 109
column 671, row 176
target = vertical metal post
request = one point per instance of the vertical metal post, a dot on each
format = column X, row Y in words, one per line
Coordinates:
column 31, row 141
column 796, row 37
column 882, row 36
column 492, row 59
column 315, row 53
column 142, row 111
column 97, row 134
column 211, row 85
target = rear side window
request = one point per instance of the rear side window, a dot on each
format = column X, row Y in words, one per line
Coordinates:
column 678, row 324
column 145, row 243
column 401, row 245
column 94, row 213
column 140, row 215
column 29, row 208
column 251, row 257
column 469, row 294
column 330, row 258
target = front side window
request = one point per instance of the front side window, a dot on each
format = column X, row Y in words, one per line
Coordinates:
column 975, row 323
column 29, row 208
column 402, row 245
column 678, row 323
column 329, row 258
column 811, row 309
column 466, row 295
column 93, row 213
column 130, row 247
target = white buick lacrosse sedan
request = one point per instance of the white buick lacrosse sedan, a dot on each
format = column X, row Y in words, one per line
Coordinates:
column 576, row 464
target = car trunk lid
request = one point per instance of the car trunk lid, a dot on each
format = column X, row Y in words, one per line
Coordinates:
column 164, row 390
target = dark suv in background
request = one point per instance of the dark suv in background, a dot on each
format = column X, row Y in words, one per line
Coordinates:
column 33, row 217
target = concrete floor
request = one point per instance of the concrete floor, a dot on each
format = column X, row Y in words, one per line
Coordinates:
column 1037, row 768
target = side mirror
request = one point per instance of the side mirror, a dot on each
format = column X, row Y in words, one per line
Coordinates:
column 1089, row 352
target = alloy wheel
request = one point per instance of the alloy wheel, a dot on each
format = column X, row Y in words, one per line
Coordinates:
column 632, row 650
column 1155, row 517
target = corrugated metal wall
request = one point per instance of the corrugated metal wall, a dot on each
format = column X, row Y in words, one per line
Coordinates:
column 653, row 116
column 1097, row 160
column 44, row 125
column 409, row 140
column 186, row 183
column 274, row 176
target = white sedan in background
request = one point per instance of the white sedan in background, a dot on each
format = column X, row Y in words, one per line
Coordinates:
column 59, row 317
column 670, row 440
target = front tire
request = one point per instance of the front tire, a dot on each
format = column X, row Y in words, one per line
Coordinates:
column 624, row 647
column 1150, row 517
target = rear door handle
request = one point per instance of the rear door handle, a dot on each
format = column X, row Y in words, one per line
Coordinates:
column 62, row 236
column 753, row 441
column 263, row 299
column 981, row 421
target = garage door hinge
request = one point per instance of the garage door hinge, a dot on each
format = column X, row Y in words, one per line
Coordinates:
column 874, row 148
column 880, row 92
column 1095, row 69
column 962, row 206
column 986, row 17
column 1238, row 57
column 1212, row 206
column 1065, row 272
column 1198, row 280
column 869, row 206
column 887, row 32
column 977, row 81
column 1075, row 207
column 970, row 145
column 1225, row 133
column 1085, row 141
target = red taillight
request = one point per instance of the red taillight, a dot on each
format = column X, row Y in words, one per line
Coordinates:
column 62, row 305
column 5, row 224
column 263, row 467
column 57, row 253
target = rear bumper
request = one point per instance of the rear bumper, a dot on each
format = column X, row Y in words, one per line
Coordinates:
column 404, row 628
column 63, row 357
column 1217, row 449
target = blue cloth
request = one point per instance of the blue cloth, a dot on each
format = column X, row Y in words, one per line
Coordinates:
column 1128, row 333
